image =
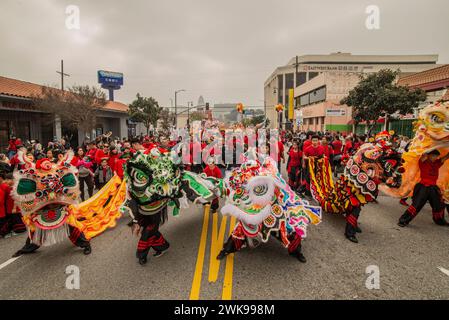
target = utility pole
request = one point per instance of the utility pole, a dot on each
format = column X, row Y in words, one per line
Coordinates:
column 176, row 106
column 62, row 75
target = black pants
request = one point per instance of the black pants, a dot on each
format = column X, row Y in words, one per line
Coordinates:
column 151, row 237
column 12, row 222
column 293, row 177
column 351, row 222
column 422, row 194
column 89, row 181
column 76, row 236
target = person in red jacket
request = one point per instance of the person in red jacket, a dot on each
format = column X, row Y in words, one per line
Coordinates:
column 294, row 165
column 212, row 170
column 427, row 190
column 120, row 162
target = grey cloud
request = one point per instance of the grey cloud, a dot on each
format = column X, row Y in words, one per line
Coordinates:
column 223, row 50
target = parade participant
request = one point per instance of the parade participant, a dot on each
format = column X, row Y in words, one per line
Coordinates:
column 155, row 183
column 314, row 150
column 212, row 170
column 373, row 164
column 328, row 152
column 265, row 206
column 11, row 223
column 294, row 165
column 427, row 190
column 47, row 195
column 431, row 133
column 337, row 149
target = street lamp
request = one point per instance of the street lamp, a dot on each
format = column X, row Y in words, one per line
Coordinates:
column 176, row 106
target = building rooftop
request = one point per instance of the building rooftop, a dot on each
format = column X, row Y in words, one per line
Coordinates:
column 345, row 57
column 426, row 77
column 23, row 89
column 348, row 58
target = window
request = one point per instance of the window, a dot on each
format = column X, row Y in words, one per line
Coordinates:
column 318, row 95
column 304, row 100
column 280, row 87
column 301, row 78
column 312, row 75
column 289, row 81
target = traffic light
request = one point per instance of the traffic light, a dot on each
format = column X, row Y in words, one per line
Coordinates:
column 207, row 106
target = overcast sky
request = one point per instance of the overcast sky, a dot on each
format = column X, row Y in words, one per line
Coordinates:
column 223, row 50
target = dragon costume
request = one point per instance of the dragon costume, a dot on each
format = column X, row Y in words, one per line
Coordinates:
column 431, row 133
column 373, row 164
column 47, row 194
column 157, row 182
column 265, row 205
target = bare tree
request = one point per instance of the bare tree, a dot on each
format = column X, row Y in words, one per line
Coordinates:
column 77, row 107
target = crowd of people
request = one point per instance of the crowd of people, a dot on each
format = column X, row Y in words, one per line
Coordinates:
column 337, row 147
column 97, row 161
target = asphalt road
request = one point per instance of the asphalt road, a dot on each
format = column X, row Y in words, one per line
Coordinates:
column 408, row 260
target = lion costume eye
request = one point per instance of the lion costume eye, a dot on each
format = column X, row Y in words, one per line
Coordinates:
column 26, row 186
column 260, row 190
column 69, row 180
column 140, row 178
column 437, row 118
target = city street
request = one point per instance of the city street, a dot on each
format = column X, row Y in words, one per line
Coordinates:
column 409, row 260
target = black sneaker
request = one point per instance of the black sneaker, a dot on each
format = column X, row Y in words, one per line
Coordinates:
column 157, row 254
column 143, row 261
column 402, row 224
column 87, row 249
column 222, row 255
column 441, row 222
column 352, row 239
column 299, row 256
column 358, row 230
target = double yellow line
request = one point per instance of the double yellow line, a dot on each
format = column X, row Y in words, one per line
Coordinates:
column 214, row 264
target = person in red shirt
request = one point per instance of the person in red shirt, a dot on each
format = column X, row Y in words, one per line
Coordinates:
column 13, row 145
column 10, row 216
column 315, row 150
column 348, row 146
column 427, row 190
column 337, row 147
column 328, row 152
column 212, row 170
column 294, row 165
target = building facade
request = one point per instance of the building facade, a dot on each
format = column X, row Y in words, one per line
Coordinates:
column 302, row 69
column 19, row 117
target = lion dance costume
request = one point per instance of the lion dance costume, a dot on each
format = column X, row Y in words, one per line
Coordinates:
column 157, row 182
column 265, row 205
column 373, row 164
column 432, row 133
column 48, row 193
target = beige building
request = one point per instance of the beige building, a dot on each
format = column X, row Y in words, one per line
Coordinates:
column 319, row 102
column 302, row 69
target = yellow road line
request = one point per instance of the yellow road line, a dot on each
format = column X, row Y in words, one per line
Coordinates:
column 196, row 284
column 216, row 246
column 227, row 283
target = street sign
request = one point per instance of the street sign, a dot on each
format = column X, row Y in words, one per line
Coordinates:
column 109, row 79
column 335, row 112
